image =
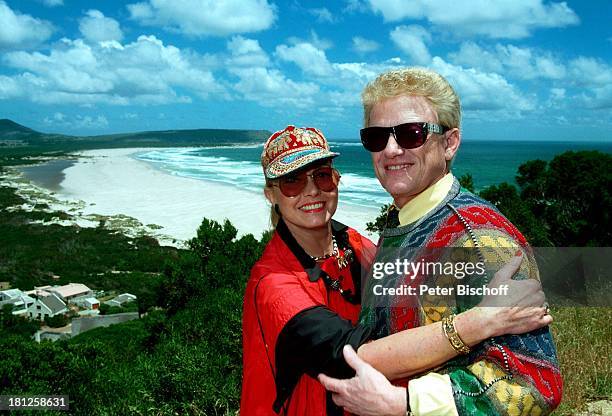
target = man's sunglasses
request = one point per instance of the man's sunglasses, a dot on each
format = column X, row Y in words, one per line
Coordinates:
column 325, row 178
column 407, row 135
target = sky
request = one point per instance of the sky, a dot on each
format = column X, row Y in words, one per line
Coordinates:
column 523, row 69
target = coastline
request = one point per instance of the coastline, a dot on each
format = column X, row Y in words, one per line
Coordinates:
column 48, row 175
column 109, row 184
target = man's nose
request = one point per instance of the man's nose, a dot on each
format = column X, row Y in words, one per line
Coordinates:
column 392, row 149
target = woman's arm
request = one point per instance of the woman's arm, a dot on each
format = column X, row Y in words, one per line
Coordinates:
column 418, row 349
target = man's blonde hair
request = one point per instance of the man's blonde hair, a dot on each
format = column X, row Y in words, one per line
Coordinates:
column 419, row 82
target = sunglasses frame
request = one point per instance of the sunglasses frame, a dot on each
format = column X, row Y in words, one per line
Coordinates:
column 426, row 128
column 334, row 172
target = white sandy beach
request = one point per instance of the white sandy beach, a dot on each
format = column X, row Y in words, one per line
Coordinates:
column 110, row 182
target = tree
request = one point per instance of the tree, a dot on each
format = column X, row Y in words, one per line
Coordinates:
column 570, row 195
column 378, row 225
column 467, row 181
column 56, row 321
column 506, row 198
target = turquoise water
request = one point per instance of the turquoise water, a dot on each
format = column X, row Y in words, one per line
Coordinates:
column 489, row 163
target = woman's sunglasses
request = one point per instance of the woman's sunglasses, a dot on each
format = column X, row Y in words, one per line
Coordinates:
column 407, row 135
column 325, row 178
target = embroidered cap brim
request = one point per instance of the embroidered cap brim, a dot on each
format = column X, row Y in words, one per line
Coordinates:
column 298, row 159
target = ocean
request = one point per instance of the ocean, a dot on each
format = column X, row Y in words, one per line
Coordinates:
column 489, row 162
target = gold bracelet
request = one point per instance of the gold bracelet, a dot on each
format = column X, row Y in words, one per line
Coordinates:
column 448, row 327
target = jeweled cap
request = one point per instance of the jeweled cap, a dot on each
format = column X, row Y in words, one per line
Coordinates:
column 293, row 148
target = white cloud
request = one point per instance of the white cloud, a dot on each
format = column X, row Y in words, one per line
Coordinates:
column 314, row 39
column 205, row 17
column 323, row 15
column 590, row 71
column 497, row 19
column 363, row 45
column 246, row 52
column 557, row 93
column 9, row 88
column 96, row 27
column 78, row 122
column 522, row 63
column 594, row 77
column 548, row 68
column 141, row 72
column 482, row 91
column 355, row 6
column 52, row 3
column 412, row 40
column 310, row 59
column 601, row 98
column 472, row 55
column 21, row 30
column 271, row 88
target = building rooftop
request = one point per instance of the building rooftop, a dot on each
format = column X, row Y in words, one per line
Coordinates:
column 10, row 294
column 124, row 298
column 71, row 289
column 54, row 303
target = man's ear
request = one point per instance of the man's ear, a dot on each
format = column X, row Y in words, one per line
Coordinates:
column 453, row 140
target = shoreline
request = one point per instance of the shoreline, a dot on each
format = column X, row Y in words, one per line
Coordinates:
column 48, row 175
column 106, row 183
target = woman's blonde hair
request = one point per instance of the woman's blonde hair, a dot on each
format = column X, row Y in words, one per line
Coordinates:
column 274, row 215
column 414, row 81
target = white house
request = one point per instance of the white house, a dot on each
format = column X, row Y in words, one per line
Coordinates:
column 20, row 301
column 69, row 291
column 87, row 302
column 47, row 307
column 121, row 299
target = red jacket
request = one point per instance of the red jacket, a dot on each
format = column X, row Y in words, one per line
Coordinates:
column 277, row 290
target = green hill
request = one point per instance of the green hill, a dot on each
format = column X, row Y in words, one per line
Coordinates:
column 10, row 127
column 14, row 135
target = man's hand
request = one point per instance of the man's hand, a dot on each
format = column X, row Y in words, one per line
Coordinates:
column 369, row 393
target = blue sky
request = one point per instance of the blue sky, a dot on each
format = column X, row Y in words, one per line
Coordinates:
column 524, row 69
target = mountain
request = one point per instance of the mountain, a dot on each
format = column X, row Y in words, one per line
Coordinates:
column 9, row 130
column 15, row 135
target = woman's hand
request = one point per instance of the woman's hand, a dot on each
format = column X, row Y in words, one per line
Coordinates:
column 522, row 309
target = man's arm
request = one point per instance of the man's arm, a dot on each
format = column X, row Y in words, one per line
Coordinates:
column 503, row 376
column 400, row 355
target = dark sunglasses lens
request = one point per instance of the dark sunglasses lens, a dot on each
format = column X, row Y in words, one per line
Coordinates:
column 374, row 139
column 410, row 135
column 326, row 179
column 292, row 185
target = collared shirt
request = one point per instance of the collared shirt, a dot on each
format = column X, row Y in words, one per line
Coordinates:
column 427, row 200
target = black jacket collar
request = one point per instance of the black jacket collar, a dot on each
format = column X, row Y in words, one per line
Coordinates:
column 311, row 267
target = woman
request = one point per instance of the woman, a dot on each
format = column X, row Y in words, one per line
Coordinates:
column 302, row 300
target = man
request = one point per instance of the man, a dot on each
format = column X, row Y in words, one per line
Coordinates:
column 412, row 128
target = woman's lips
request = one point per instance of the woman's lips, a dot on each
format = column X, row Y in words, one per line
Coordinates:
column 313, row 207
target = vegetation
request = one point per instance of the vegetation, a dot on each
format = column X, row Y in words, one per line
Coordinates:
column 582, row 336
column 185, row 358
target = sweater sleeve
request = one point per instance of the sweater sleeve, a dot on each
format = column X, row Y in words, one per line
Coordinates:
column 507, row 375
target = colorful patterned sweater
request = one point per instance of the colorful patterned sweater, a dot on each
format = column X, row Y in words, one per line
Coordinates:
column 508, row 375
